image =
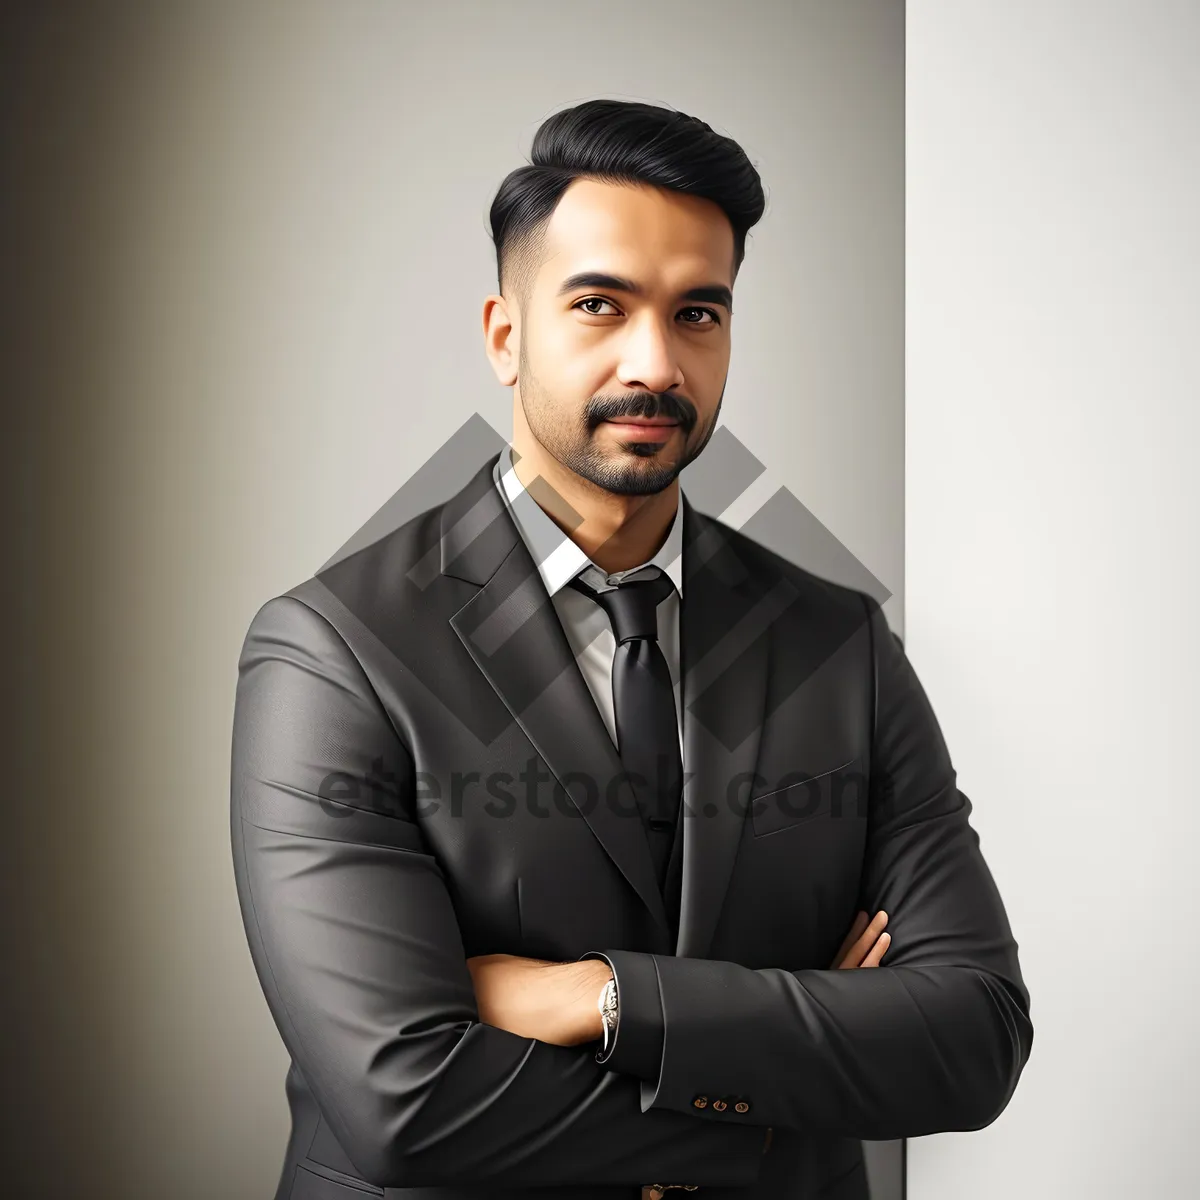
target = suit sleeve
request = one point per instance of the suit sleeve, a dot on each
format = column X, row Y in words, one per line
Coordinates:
column 636, row 1046
column 354, row 938
column 934, row 1040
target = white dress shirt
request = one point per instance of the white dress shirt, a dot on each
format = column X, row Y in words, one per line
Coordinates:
column 586, row 625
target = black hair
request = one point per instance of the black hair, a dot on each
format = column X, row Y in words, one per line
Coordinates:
column 619, row 141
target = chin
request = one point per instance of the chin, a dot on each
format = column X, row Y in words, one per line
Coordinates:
column 645, row 476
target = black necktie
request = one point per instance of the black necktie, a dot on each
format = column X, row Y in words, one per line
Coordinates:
column 644, row 703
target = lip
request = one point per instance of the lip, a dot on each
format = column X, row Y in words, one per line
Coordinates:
column 638, row 423
column 644, row 431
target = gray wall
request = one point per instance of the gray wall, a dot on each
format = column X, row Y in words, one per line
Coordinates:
column 1053, row 497
column 250, row 262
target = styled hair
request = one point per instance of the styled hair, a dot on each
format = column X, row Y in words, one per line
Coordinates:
column 621, row 142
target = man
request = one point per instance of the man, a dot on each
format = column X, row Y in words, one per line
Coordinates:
column 559, row 812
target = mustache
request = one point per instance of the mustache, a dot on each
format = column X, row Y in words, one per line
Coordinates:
column 667, row 405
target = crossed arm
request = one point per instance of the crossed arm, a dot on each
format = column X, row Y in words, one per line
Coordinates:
column 354, row 938
column 356, row 945
column 557, row 1002
column 933, row 1043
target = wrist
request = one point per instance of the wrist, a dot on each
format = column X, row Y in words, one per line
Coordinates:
column 579, row 986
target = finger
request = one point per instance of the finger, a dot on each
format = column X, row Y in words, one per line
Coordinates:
column 860, row 923
column 847, row 941
column 878, row 950
column 858, row 951
column 856, row 931
column 868, row 938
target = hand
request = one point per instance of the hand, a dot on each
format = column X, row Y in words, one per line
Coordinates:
column 864, row 945
column 534, row 998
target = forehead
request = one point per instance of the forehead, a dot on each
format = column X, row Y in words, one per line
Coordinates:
column 638, row 230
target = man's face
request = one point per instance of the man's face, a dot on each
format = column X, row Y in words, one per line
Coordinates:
column 623, row 386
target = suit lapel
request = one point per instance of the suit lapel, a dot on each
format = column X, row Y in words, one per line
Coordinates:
column 724, row 651
column 512, row 631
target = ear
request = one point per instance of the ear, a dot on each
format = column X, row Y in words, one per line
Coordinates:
column 501, row 339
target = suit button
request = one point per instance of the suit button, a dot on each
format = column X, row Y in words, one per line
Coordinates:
column 742, row 1106
column 720, row 1105
column 701, row 1101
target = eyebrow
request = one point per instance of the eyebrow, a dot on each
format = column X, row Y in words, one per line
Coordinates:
column 713, row 293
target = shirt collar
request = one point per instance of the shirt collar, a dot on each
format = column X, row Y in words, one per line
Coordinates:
column 557, row 557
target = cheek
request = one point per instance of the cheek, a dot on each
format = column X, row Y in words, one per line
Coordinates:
column 569, row 365
column 706, row 367
column 705, row 395
column 580, row 376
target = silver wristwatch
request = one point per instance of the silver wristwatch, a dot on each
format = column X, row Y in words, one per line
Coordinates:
column 609, row 1012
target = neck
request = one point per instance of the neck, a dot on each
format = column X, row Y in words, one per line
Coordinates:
column 615, row 532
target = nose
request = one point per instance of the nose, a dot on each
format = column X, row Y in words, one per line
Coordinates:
column 648, row 359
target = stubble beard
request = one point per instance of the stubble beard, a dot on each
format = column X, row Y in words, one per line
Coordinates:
column 636, row 468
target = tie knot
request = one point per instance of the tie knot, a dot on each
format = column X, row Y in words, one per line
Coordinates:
column 631, row 606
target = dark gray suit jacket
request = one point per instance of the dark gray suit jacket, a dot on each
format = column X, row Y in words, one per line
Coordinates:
column 420, row 775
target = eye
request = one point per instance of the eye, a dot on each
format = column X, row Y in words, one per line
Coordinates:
column 713, row 315
column 716, row 319
column 595, row 300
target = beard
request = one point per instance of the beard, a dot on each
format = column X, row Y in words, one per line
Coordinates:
column 634, row 468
